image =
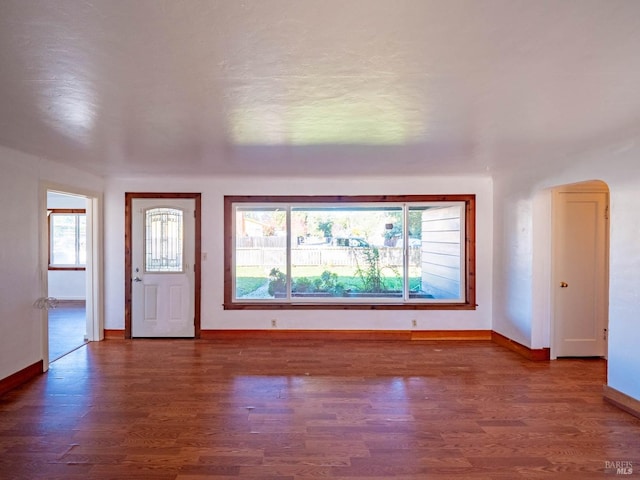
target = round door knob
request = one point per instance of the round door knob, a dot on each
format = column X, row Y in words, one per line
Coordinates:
column 564, row 284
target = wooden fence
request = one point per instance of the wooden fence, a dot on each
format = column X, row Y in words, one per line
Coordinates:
column 323, row 256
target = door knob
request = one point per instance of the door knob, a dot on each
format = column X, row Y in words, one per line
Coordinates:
column 137, row 279
column 564, row 284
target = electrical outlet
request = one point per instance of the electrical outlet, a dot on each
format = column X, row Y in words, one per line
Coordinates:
column 414, row 323
column 274, row 323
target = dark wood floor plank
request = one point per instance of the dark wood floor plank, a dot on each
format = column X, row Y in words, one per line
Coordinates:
column 294, row 409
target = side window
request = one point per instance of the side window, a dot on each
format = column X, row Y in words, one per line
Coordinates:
column 67, row 239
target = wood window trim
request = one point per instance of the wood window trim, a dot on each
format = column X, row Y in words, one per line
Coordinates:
column 62, row 211
column 469, row 241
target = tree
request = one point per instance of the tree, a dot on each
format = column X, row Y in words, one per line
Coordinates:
column 326, row 227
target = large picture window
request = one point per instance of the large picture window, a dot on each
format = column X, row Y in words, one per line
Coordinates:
column 350, row 252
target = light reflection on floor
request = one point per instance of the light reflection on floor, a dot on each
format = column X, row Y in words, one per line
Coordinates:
column 67, row 328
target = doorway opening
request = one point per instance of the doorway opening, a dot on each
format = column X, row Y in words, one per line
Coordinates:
column 66, row 275
column 580, row 270
column 71, row 276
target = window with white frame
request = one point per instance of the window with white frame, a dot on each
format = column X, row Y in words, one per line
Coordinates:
column 350, row 252
column 67, row 239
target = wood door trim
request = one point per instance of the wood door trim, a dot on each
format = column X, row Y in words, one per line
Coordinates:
column 129, row 197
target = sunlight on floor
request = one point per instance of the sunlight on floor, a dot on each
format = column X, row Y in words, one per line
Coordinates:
column 67, row 328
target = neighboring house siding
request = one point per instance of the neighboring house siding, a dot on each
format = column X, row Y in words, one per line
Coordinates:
column 441, row 252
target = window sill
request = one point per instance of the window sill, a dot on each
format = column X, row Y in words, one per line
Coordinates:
column 348, row 306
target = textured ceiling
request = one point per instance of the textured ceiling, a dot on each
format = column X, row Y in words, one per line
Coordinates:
column 319, row 87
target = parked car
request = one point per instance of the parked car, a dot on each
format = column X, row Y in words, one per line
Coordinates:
column 399, row 242
column 414, row 242
column 349, row 242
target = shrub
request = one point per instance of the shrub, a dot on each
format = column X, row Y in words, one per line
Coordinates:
column 326, row 283
column 277, row 282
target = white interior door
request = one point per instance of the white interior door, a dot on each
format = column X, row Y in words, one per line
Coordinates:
column 580, row 274
column 163, row 259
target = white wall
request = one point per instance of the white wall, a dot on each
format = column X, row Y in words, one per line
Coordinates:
column 522, row 254
column 67, row 284
column 21, row 219
column 60, row 200
column 213, row 190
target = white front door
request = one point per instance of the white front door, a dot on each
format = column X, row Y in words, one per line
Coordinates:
column 580, row 274
column 162, row 263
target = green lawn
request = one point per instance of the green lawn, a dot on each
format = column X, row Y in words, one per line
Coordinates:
column 391, row 283
column 251, row 279
column 246, row 285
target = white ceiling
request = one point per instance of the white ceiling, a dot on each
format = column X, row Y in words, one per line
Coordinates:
column 317, row 87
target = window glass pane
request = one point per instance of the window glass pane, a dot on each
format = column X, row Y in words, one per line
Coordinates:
column 63, row 239
column 351, row 252
column 163, row 240
column 260, row 253
column 435, row 251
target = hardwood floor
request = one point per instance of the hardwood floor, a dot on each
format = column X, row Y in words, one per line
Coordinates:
column 287, row 409
column 67, row 328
